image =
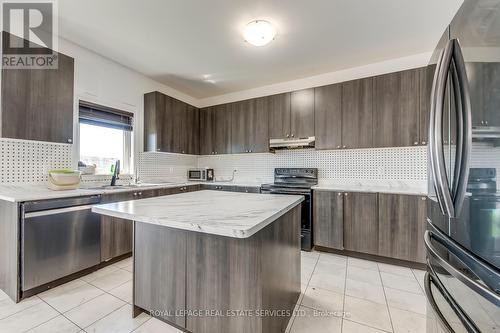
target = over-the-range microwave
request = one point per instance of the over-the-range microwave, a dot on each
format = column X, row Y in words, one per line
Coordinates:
column 201, row 174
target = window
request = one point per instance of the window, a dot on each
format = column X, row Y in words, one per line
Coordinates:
column 105, row 137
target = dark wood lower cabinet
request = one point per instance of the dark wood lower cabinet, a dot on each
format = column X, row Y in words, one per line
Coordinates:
column 361, row 222
column 386, row 225
column 328, row 219
column 402, row 226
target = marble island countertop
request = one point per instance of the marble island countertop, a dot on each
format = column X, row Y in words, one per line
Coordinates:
column 238, row 215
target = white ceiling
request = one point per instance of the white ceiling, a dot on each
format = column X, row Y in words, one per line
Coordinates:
column 178, row 42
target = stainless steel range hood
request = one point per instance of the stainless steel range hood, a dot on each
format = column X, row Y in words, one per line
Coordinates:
column 484, row 133
column 301, row 143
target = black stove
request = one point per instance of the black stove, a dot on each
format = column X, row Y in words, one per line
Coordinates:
column 297, row 181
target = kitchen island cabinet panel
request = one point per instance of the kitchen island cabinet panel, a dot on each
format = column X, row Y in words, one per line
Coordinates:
column 160, row 271
column 228, row 274
column 328, row 116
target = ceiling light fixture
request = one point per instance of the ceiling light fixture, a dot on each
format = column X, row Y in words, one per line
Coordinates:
column 259, row 32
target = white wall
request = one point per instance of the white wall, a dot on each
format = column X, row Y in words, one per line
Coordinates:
column 103, row 81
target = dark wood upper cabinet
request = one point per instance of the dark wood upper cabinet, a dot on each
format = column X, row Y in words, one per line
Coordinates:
column 396, row 109
column 328, row 222
column 37, row 104
column 215, row 130
column 401, row 230
column 361, row 227
column 357, row 113
column 426, row 78
column 250, row 126
column 475, row 75
column 192, row 128
column 239, row 119
column 222, row 139
column 279, row 115
column 491, row 94
column 302, row 113
column 207, row 130
column 328, row 116
column 170, row 125
column 177, row 124
column 154, row 113
column 259, row 127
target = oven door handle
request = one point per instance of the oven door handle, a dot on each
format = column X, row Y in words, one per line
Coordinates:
column 481, row 289
column 282, row 192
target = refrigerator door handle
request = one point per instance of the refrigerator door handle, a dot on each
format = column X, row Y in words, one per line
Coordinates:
column 431, row 277
column 480, row 288
column 464, row 126
column 436, row 153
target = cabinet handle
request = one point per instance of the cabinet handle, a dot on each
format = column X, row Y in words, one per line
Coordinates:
column 344, row 147
column 183, row 152
column 250, row 151
column 424, row 198
column 415, row 143
column 70, row 140
column 482, row 122
column 140, row 193
column 345, row 194
column 339, row 194
column 338, row 147
column 486, row 122
column 216, row 152
column 293, row 135
column 135, row 194
column 287, row 135
column 424, row 143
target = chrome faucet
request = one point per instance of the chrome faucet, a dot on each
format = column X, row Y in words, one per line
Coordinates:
column 116, row 172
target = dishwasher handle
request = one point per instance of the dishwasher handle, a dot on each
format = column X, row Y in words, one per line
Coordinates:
column 42, row 205
column 56, row 211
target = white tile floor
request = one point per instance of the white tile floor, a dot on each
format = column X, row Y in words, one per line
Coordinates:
column 339, row 294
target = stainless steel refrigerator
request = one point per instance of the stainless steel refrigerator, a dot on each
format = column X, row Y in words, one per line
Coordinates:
column 462, row 282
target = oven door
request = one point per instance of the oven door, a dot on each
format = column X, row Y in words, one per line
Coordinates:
column 306, row 241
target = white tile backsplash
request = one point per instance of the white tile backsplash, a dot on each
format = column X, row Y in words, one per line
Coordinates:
column 401, row 163
column 28, row 162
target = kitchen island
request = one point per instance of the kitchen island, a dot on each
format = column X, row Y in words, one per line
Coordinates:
column 211, row 261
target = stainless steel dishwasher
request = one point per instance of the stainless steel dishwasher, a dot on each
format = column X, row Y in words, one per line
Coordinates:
column 58, row 238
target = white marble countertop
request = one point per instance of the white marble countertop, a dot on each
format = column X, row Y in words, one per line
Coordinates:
column 238, row 215
column 20, row 193
column 380, row 186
